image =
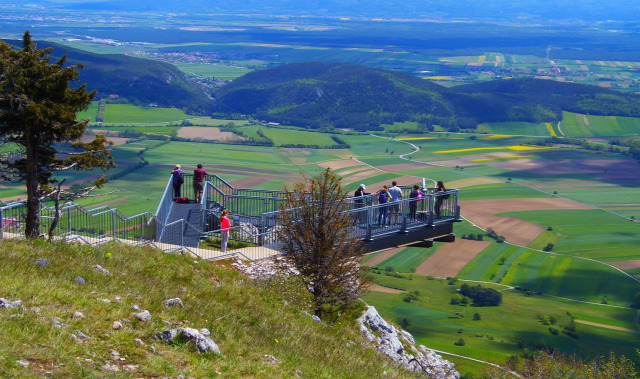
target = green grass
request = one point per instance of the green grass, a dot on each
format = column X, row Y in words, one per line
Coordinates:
column 246, row 319
column 125, row 113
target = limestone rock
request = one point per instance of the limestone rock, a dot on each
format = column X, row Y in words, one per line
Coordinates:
column 173, row 303
column 116, row 325
column 101, row 269
column 139, row 341
column 203, row 344
column 78, row 315
column 110, row 368
column 143, row 316
column 6, row 304
column 394, row 344
column 272, row 359
column 22, row 363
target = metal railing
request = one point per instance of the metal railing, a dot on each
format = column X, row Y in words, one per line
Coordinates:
column 256, row 215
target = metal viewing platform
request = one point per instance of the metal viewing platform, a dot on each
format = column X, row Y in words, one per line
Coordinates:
column 253, row 235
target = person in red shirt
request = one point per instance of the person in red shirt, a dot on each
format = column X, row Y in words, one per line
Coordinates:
column 225, row 224
column 198, row 182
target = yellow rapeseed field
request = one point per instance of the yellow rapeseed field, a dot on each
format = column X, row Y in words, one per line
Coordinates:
column 551, row 131
column 514, row 148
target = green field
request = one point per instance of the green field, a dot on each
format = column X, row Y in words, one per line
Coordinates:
column 89, row 114
column 503, row 330
column 578, row 125
column 514, row 128
column 125, row 113
column 298, row 137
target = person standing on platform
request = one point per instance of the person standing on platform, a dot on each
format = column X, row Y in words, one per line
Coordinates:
column 198, row 182
column 396, row 193
column 225, row 224
column 415, row 195
column 383, row 198
column 177, row 179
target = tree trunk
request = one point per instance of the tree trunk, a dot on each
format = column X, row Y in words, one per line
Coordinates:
column 32, row 228
column 56, row 217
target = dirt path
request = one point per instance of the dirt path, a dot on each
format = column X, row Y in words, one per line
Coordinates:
column 608, row 326
column 451, row 258
column 383, row 256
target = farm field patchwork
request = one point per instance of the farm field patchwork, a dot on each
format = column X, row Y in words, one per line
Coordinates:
column 503, row 330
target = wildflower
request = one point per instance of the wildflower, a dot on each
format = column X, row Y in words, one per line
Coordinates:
column 107, row 255
column 79, row 279
column 276, row 340
column 42, row 262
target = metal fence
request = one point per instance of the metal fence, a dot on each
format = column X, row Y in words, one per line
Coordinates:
column 255, row 214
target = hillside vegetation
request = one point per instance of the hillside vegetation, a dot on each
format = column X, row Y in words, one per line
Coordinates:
column 80, row 320
column 139, row 81
column 346, row 95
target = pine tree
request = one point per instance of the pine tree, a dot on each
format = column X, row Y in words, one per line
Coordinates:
column 37, row 113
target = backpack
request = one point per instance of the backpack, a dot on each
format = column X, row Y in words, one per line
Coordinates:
column 180, row 178
column 382, row 198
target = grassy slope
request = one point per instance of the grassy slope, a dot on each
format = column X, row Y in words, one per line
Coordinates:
column 247, row 321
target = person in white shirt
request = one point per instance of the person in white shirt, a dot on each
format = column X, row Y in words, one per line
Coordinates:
column 396, row 194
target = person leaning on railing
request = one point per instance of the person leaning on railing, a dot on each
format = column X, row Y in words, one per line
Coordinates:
column 198, row 182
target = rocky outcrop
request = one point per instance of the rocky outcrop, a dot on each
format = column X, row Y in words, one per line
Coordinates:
column 200, row 338
column 400, row 346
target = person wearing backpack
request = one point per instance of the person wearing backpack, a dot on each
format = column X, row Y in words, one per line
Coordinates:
column 177, row 178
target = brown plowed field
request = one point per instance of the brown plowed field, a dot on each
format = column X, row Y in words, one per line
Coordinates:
column 379, row 288
column 462, row 183
column 520, row 232
column 361, row 176
column 451, row 258
column 209, row 133
column 626, row 265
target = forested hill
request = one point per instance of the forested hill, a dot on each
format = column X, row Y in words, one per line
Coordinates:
column 556, row 96
column 319, row 94
column 140, row 81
